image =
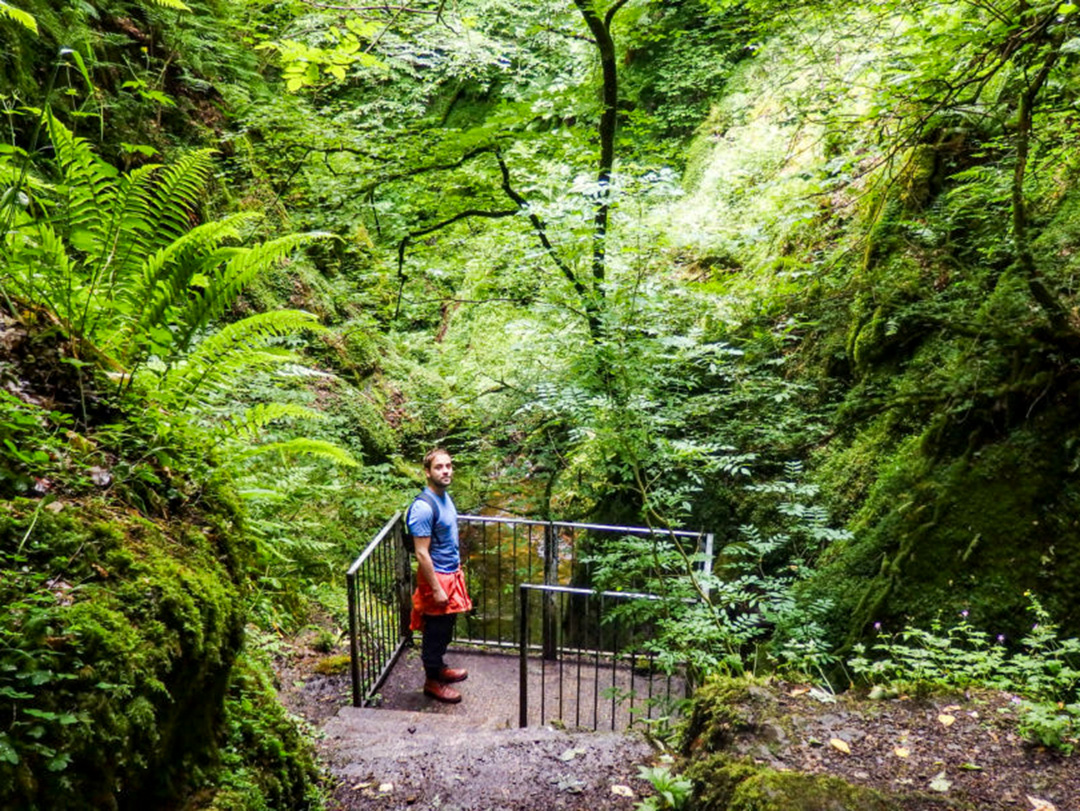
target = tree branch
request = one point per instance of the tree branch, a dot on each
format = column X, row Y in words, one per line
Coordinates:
column 540, row 228
column 461, row 215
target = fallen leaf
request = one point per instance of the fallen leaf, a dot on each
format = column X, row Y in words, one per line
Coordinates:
column 570, row 754
column 386, row 788
column 940, row 783
column 947, row 720
column 971, row 767
column 359, row 786
column 951, row 708
column 622, row 791
column 840, row 746
column 820, row 695
column 799, row 691
column 1041, row 805
column 901, row 752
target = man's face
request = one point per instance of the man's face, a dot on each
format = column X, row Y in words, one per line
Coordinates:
column 441, row 471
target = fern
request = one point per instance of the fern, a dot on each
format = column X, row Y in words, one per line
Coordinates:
column 237, row 273
column 18, row 15
column 259, row 416
column 175, row 5
column 302, row 446
column 238, row 347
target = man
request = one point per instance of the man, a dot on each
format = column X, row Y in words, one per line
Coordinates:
column 440, row 584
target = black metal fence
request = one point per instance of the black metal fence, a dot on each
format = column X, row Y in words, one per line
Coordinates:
column 500, row 554
column 592, row 668
column 379, row 583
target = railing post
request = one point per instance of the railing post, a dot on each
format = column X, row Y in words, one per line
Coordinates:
column 706, row 564
column 523, row 660
column 404, row 580
column 354, row 640
column 551, row 578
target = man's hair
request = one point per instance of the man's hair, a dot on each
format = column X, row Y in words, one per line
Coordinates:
column 429, row 457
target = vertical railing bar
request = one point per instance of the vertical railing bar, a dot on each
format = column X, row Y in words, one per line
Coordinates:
column 484, row 598
column 707, row 564
column 380, row 576
column 354, row 642
column 577, row 695
column 596, row 665
column 652, row 677
column 614, row 661
column 523, row 660
column 543, row 674
column 561, row 652
column 499, row 636
column 633, row 691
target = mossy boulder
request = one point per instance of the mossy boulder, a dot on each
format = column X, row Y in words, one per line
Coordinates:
column 120, row 636
column 723, row 783
column 732, row 715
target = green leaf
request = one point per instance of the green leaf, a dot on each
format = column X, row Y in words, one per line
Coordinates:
column 7, row 751
column 19, row 16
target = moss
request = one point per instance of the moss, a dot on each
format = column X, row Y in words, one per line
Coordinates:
column 939, row 535
column 120, row 637
column 723, row 707
column 768, row 790
column 266, row 761
column 332, row 665
column 725, row 783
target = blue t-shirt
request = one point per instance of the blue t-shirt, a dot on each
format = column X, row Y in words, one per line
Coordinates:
column 444, row 541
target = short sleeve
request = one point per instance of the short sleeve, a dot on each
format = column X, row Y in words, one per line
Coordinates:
column 420, row 516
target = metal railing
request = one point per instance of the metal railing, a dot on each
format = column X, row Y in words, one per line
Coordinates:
column 499, row 554
column 379, row 583
column 592, row 668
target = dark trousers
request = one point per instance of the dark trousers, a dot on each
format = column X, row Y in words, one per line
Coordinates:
column 438, row 631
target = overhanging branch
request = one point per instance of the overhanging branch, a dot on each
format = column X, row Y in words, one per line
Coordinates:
column 461, row 215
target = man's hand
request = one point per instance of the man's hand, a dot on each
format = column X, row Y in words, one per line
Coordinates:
column 439, row 597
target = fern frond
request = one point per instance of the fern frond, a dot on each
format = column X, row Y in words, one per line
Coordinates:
column 176, row 5
column 302, row 446
column 157, row 292
column 90, row 184
column 18, row 15
column 171, row 202
column 259, row 416
column 237, row 274
column 127, row 231
column 238, row 346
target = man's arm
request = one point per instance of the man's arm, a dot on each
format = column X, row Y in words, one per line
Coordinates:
column 422, row 549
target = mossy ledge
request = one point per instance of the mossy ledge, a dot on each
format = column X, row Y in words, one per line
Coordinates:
column 118, row 676
column 728, row 712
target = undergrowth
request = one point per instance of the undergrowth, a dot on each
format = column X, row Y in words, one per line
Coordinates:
column 1043, row 670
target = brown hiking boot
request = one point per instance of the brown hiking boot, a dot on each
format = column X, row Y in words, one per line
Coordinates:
column 449, row 675
column 440, row 692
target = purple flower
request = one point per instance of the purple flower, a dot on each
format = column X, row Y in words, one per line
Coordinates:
column 964, row 613
column 1001, row 638
column 877, row 626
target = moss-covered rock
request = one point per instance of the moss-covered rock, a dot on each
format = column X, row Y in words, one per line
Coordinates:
column 730, row 716
column 119, row 640
column 723, row 783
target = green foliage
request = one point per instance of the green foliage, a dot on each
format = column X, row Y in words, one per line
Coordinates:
column 1044, row 670
column 119, row 265
column 672, row 792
